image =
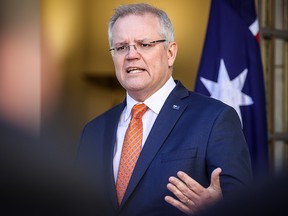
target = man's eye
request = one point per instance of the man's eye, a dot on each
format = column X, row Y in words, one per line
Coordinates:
column 146, row 45
column 120, row 48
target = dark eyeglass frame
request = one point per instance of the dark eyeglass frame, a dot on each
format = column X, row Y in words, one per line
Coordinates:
column 125, row 47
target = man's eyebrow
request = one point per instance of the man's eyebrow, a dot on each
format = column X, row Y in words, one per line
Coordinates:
column 121, row 43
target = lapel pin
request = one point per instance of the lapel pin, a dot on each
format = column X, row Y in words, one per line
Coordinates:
column 176, row 107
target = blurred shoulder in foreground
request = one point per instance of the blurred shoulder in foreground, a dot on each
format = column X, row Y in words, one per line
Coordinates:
column 37, row 179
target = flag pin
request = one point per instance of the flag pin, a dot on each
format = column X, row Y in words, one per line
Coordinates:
column 176, row 107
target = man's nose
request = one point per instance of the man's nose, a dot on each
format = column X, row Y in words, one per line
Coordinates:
column 132, row 51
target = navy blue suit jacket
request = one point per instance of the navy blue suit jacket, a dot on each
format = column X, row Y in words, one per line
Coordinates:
column 192, row 133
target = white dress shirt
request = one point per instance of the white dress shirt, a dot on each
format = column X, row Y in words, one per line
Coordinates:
column 154, row 103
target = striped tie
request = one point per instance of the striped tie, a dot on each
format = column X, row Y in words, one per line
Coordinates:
column 131, row 149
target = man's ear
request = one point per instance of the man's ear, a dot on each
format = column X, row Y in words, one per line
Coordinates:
column 171, row 53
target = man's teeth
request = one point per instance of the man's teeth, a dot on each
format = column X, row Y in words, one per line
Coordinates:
column 135, row 70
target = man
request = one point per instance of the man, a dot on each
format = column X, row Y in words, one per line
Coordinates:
column 182, row 131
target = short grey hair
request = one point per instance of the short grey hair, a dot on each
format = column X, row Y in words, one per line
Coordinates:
column 166, row 28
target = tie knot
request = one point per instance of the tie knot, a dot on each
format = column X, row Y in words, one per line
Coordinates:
column 138, row 110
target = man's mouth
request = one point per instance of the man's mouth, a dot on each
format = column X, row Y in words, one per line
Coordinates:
column 134, row 70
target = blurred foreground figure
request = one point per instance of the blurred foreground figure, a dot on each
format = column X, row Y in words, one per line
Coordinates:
column 37, row 177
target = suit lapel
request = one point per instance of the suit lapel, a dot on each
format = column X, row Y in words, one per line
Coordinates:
column 167, row 118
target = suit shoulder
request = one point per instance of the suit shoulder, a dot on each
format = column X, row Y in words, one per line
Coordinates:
column 199, row 102
column 204, row 99
column 203, row 104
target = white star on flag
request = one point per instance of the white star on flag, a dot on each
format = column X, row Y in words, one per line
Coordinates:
column 229, row 91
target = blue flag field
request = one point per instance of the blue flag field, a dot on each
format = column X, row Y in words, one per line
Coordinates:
column 231, row 70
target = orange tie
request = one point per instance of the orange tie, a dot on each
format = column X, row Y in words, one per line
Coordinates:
column 131, row 149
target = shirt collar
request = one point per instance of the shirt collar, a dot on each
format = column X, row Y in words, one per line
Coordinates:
column 130, row 102
column 154, row 102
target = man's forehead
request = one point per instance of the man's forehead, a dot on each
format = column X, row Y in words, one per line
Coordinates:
column 141, row 18
column 135, row 26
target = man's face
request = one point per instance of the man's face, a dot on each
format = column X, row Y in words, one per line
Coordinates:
column 141, row 73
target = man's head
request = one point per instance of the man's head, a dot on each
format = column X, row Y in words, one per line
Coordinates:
column 142, row 45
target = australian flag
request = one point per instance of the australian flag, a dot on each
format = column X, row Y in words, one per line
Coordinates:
column 231, row 71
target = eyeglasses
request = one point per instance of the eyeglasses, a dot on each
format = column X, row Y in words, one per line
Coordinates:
column 140, row 47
